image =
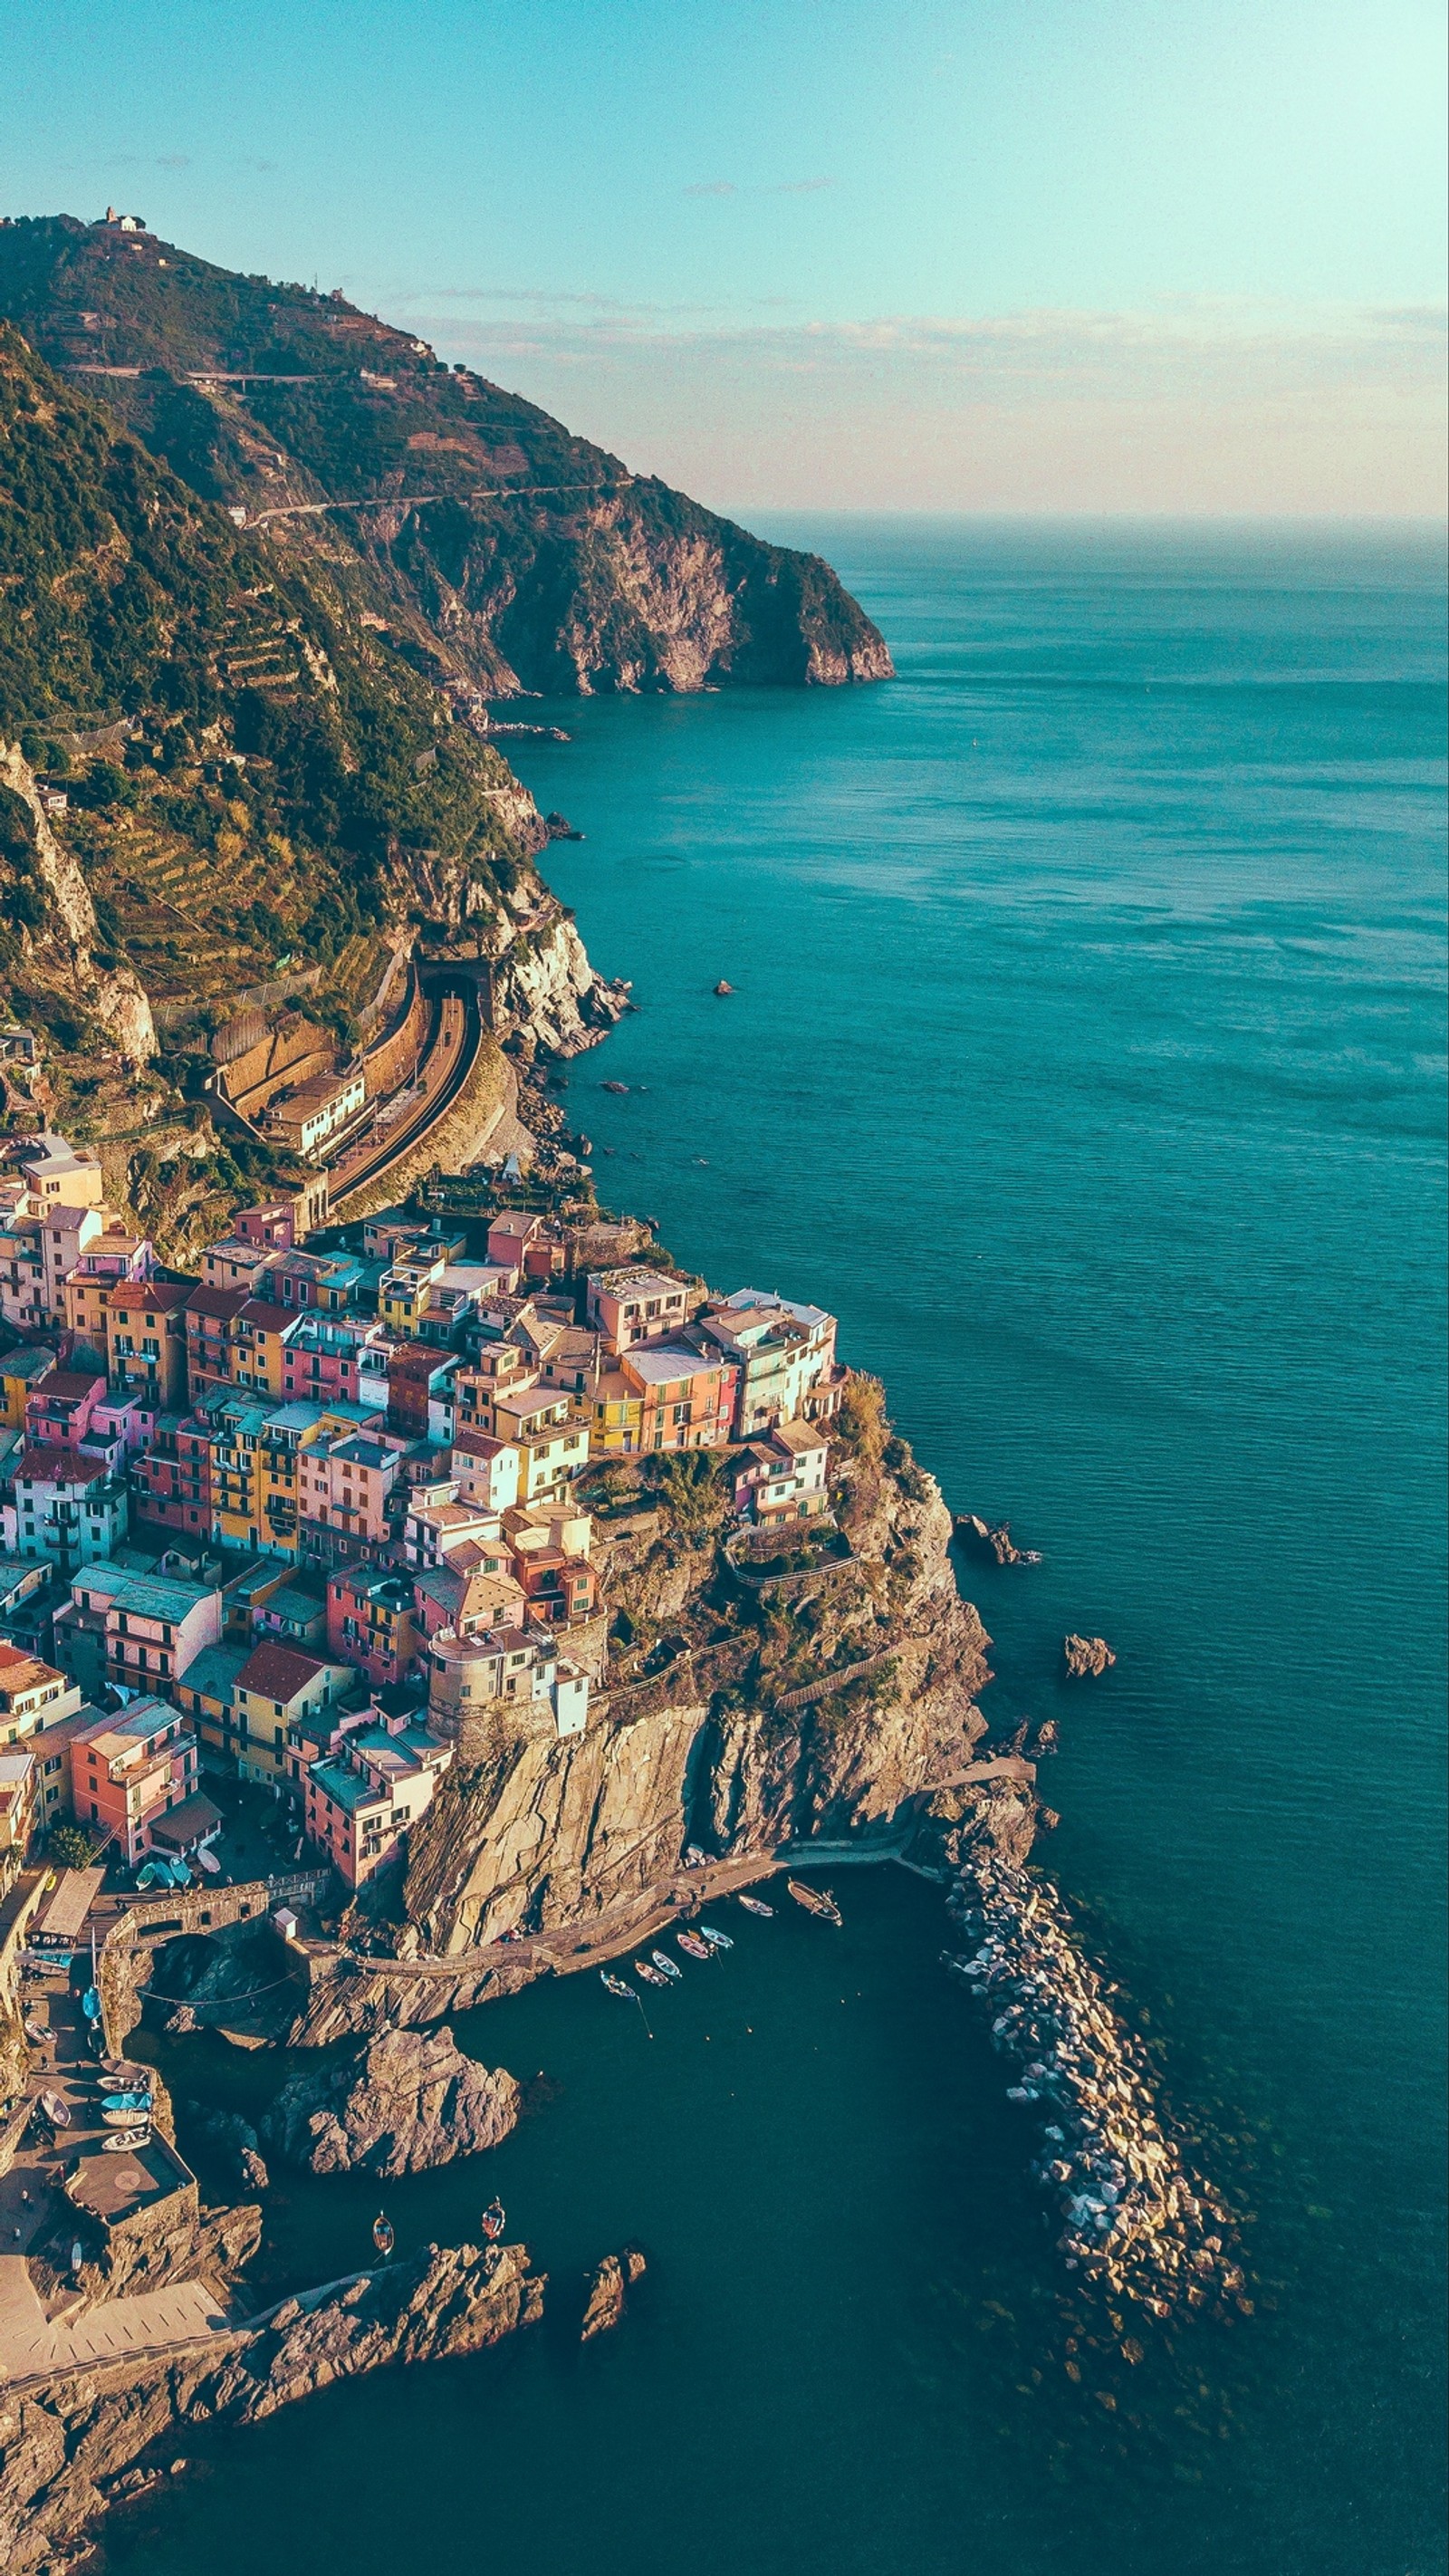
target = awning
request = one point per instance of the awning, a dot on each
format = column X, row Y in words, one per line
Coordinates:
column 190, row 1823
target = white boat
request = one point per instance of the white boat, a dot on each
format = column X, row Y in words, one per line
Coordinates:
column 56, row 2109
column 757, row 1905
column 125, row 2140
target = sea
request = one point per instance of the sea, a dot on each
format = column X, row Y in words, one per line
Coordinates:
column 1085, row 1056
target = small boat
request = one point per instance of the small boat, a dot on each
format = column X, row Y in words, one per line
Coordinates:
column 132, row 2100
column 617, row 1985
column 651, row 1975
column 716, row 1940
column 722, row 987
column 382, row 2235
column 757, row 1905
column 493, row 2221
column 816, row 1900
column 35, row 2034
column 91, row 2004
column 125, row 2140
column 692, row 1946
column 125, row 2119
column 56, row 2109
column 77, row 2255
column 212, row 1865
column 667, row 1967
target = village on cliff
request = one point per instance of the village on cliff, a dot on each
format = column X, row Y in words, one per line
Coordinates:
column 299, row 1521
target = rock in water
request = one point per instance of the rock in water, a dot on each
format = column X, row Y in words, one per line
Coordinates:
column 1087, row 1658
column 609, row 2285
column 402, row 2102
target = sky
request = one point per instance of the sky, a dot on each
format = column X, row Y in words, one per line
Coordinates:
column 995, row 255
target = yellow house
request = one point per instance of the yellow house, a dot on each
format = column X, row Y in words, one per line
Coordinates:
column 256, row 1346
column 403, row 1293
column 84, row 1301
column 236, row 1474
column 20, row 1374
column 615, row 1416
column 285, row 1434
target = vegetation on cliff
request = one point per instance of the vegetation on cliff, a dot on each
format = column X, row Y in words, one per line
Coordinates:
column 510, row 552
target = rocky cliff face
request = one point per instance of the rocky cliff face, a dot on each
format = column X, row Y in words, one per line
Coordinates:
column 59, row 938
column 737, row 1740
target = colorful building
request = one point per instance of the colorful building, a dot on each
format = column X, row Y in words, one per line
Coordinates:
column 278, row 1687
column 146, row 1340
column 370, row 1624
column 687, row 1396
column 126, row 1772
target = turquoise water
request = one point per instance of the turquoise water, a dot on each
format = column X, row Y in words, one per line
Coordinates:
column 1086, row 1056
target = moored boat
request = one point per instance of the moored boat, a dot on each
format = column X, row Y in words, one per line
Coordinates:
column 493, row 2221
column 651, row 1975
column 757, row 1905
column 816, row 1900
column 617, row 1985
column 716, row 1940
column 668, row 1968
column 692, row 1946
column 382, row 2233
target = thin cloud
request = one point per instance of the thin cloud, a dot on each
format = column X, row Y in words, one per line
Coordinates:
column 712, row 188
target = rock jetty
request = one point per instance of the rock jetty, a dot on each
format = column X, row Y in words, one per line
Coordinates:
column 1137, row 2222
column 403, row 2102
column 1086, row 1658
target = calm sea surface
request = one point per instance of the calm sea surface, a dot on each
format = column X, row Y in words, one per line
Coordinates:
column 1086, row 1056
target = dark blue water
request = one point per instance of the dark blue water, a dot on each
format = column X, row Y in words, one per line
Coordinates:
column 1086, row 1056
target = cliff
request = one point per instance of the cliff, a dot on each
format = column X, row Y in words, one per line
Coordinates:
column 745, row 1709
column 497, row 550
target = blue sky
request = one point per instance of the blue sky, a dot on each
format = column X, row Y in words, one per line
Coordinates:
column 1042, row 254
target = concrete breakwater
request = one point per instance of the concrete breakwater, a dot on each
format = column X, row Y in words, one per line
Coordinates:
column 1137, row 2221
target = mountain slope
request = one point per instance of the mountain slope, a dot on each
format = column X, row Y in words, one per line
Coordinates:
column 215, row 771
column 508, row 554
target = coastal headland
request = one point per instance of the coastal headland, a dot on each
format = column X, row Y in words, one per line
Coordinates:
column 469, row 1592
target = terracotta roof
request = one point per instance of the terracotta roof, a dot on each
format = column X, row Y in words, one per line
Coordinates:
column 277, row 1672
column 222, row 1303
column 58, row 1467
column 129, row 1295
column 270, row 1317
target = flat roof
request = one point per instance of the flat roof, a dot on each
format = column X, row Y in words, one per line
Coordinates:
column 71, row 1902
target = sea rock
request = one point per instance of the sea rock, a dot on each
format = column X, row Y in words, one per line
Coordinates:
column 998, row 1542
column 1087, row 1658
column 609, row 2285
column 403, row 2102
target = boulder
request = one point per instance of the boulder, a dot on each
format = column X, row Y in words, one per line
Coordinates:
column 402, row 2102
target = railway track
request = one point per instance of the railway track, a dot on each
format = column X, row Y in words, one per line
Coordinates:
column 456, row 1040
